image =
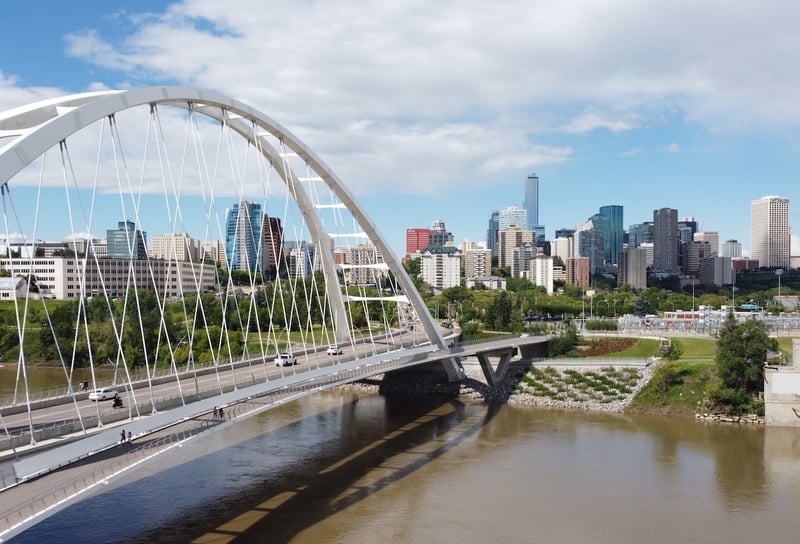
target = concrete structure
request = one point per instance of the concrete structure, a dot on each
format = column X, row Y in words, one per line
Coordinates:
column 365, row 265
column 521, row 260
column 13, row 288
column 563, row 248
column 731, row 248
column 214, row 251
column 441, row 266
column 177, row 247
column 578, row 271
column 510, row 238
column 715, row 270
column 541, row 272
column 693, row 254
column 708, row 236
column 665, row 241
column 782, row 392
column 477, row 262
column 770, row 231
column 633, row 268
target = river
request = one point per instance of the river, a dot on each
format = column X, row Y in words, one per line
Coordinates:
column 346, row 466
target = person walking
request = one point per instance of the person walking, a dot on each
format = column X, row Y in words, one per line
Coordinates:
column 130, row 436
column 122, row 436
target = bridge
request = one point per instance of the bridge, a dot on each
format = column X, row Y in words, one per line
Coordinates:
column 256, row 248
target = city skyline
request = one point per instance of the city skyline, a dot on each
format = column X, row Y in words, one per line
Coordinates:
column 425, row 135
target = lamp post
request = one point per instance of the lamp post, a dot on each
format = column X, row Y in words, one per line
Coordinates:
column 779, row 273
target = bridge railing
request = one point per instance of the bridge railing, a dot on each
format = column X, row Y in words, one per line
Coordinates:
column 21, row 512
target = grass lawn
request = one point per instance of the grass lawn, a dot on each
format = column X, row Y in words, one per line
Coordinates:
column 785, row 344
column 697, row 349
column 676, row 388
column 644, row 348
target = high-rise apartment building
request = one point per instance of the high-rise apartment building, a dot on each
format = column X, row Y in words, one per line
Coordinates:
column 578, row 271
column 615, row 232
column 272, row 250
column 243, row 236
column 477, row 262
column 441, row 266
column 665, row 241
column 511, row 238
column 540, row 272
column 633, row 268
column 770, row 232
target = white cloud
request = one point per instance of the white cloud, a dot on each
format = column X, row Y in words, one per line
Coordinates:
column 672, row 148
column 589, row 121
column 630, row 152
column 420, row 77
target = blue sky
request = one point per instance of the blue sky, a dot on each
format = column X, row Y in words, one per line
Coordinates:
column 438, row 110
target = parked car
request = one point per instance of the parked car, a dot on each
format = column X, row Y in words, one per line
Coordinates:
column 103, row 394
column 285, row 359
column 334, row 350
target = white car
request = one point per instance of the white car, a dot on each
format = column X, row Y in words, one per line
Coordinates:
column 285, row 359
column 102, row 394
column 334, row 350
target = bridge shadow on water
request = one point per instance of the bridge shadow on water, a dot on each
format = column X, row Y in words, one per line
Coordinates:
column 273, row 486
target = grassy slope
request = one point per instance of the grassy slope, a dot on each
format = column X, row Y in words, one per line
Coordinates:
column 679, row 387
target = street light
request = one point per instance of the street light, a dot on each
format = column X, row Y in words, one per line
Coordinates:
column 779, row 273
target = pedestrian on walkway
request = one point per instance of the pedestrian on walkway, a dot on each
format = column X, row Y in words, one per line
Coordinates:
column 130, row 436
column 220, row 412
column 122, row 436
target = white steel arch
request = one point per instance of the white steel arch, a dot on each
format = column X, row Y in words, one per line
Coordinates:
column 29, row 131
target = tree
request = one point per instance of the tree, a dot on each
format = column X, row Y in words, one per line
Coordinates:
column 741, row 352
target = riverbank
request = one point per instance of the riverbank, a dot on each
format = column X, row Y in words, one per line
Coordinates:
column 575, row 387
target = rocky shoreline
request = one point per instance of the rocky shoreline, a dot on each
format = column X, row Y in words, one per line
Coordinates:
column 475, row 387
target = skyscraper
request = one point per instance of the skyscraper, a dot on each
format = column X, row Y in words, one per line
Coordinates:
column 491, row 232
column 770, row 233
column 615, row 231
column 272, row 253
column 531, row 202
column 665, row 241
column 243, row 236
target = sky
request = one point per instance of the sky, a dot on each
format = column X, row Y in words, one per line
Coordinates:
column 439, row 110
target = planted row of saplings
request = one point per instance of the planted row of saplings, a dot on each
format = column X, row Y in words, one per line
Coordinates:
column 606, row 385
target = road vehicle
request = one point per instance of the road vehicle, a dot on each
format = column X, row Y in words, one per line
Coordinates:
column 103, row 394
column 285, row 359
